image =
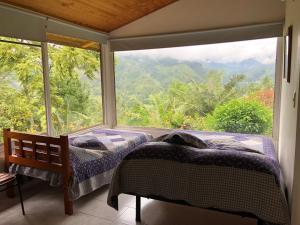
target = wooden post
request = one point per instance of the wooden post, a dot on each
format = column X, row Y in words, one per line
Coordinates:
column 66, row 174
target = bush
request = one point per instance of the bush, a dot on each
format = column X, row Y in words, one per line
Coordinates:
column 243, row 116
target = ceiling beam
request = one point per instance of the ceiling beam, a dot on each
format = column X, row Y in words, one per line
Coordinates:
column 87, row 44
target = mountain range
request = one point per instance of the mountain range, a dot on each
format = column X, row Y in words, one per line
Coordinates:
column 135, row 70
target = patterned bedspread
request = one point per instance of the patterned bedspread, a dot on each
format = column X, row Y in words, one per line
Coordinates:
column 241, row 180
column 92, row 168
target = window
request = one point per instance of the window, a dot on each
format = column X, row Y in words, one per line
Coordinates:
column 217, row 87
column 75, row 88
column 22, row 105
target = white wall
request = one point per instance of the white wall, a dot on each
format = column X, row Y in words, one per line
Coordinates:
column 289, row 137
column 194, row 15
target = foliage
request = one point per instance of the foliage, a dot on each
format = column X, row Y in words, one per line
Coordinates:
column 73, row 75
column 265, row 96
column 189, row 104
column 75, row 88
column 242, row 116
column 157, row 93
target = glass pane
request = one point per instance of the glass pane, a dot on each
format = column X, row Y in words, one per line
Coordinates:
column 216, row 87
column 22, row 106
column 75, row 86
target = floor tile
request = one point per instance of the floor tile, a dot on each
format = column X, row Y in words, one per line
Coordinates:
column 100, row 209
column 161, row 213
column 44, row 206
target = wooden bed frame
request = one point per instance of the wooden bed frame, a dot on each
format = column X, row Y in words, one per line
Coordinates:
column 41, row 152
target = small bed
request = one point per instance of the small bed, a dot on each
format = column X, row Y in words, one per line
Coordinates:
column 234, row 173
column 81, row 163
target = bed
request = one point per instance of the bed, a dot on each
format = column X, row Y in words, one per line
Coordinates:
column 81, row 162
column 235, row 173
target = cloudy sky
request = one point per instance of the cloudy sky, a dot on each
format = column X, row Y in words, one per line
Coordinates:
column 263, row 50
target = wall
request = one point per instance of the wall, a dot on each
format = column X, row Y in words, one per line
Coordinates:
column 193, row 15
column 289, row 142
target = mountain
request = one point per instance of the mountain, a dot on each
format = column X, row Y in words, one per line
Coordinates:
column 161, row 68
column 253, row 69
column 157, row 73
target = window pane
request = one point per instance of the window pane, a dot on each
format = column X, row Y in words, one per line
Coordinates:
column 75, row 86
column 216, row 87
column 22, row 106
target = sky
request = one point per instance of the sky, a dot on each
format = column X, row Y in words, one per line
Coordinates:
column 263, row 50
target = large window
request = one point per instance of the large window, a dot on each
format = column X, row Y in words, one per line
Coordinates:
column 22, row 105
column 75, row 87
column 217, row 87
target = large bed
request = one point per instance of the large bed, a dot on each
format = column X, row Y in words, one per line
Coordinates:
column 235, row 173
column 80, row 162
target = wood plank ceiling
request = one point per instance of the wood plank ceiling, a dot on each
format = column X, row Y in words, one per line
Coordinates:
column 102, row 15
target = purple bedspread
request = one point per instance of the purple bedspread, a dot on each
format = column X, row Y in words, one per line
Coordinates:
column 265, row 162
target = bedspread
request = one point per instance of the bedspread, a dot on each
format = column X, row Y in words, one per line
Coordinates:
column 91, row 168
column 227, row 180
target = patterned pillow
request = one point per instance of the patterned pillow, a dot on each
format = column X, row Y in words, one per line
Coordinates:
column 88, row 141
column 182, row 138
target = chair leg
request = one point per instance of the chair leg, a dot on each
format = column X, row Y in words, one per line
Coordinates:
column 138, row 209
column 20, row 194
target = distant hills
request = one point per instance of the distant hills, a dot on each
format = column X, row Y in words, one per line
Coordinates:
column 152, row 74
column 164, row 69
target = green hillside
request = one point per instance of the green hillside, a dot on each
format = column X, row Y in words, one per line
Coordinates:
column 142, row 75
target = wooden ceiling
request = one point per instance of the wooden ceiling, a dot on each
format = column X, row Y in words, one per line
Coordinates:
column 102, row 15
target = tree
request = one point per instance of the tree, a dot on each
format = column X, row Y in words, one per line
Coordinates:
column 22, row 101
column 75, row 87
column 73, row 74
column 243, row 116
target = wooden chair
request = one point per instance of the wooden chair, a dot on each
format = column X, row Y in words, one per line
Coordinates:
column 8, row 181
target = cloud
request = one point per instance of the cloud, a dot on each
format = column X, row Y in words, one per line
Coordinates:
column 263, row 50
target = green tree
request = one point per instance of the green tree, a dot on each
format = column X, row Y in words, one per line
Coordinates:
column 75, row 86
column 243, row 116
column 22, row 101
column 73, row 75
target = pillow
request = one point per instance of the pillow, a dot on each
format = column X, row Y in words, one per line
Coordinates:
column 230, row 144
column 182, row 138
column 88, row 141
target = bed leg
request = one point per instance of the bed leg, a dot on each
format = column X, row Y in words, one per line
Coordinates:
column 138, row 209
column 68, row 203
column 260, row 222
column 10, row 192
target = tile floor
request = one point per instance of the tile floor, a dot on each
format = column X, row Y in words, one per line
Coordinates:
column 44, row 206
